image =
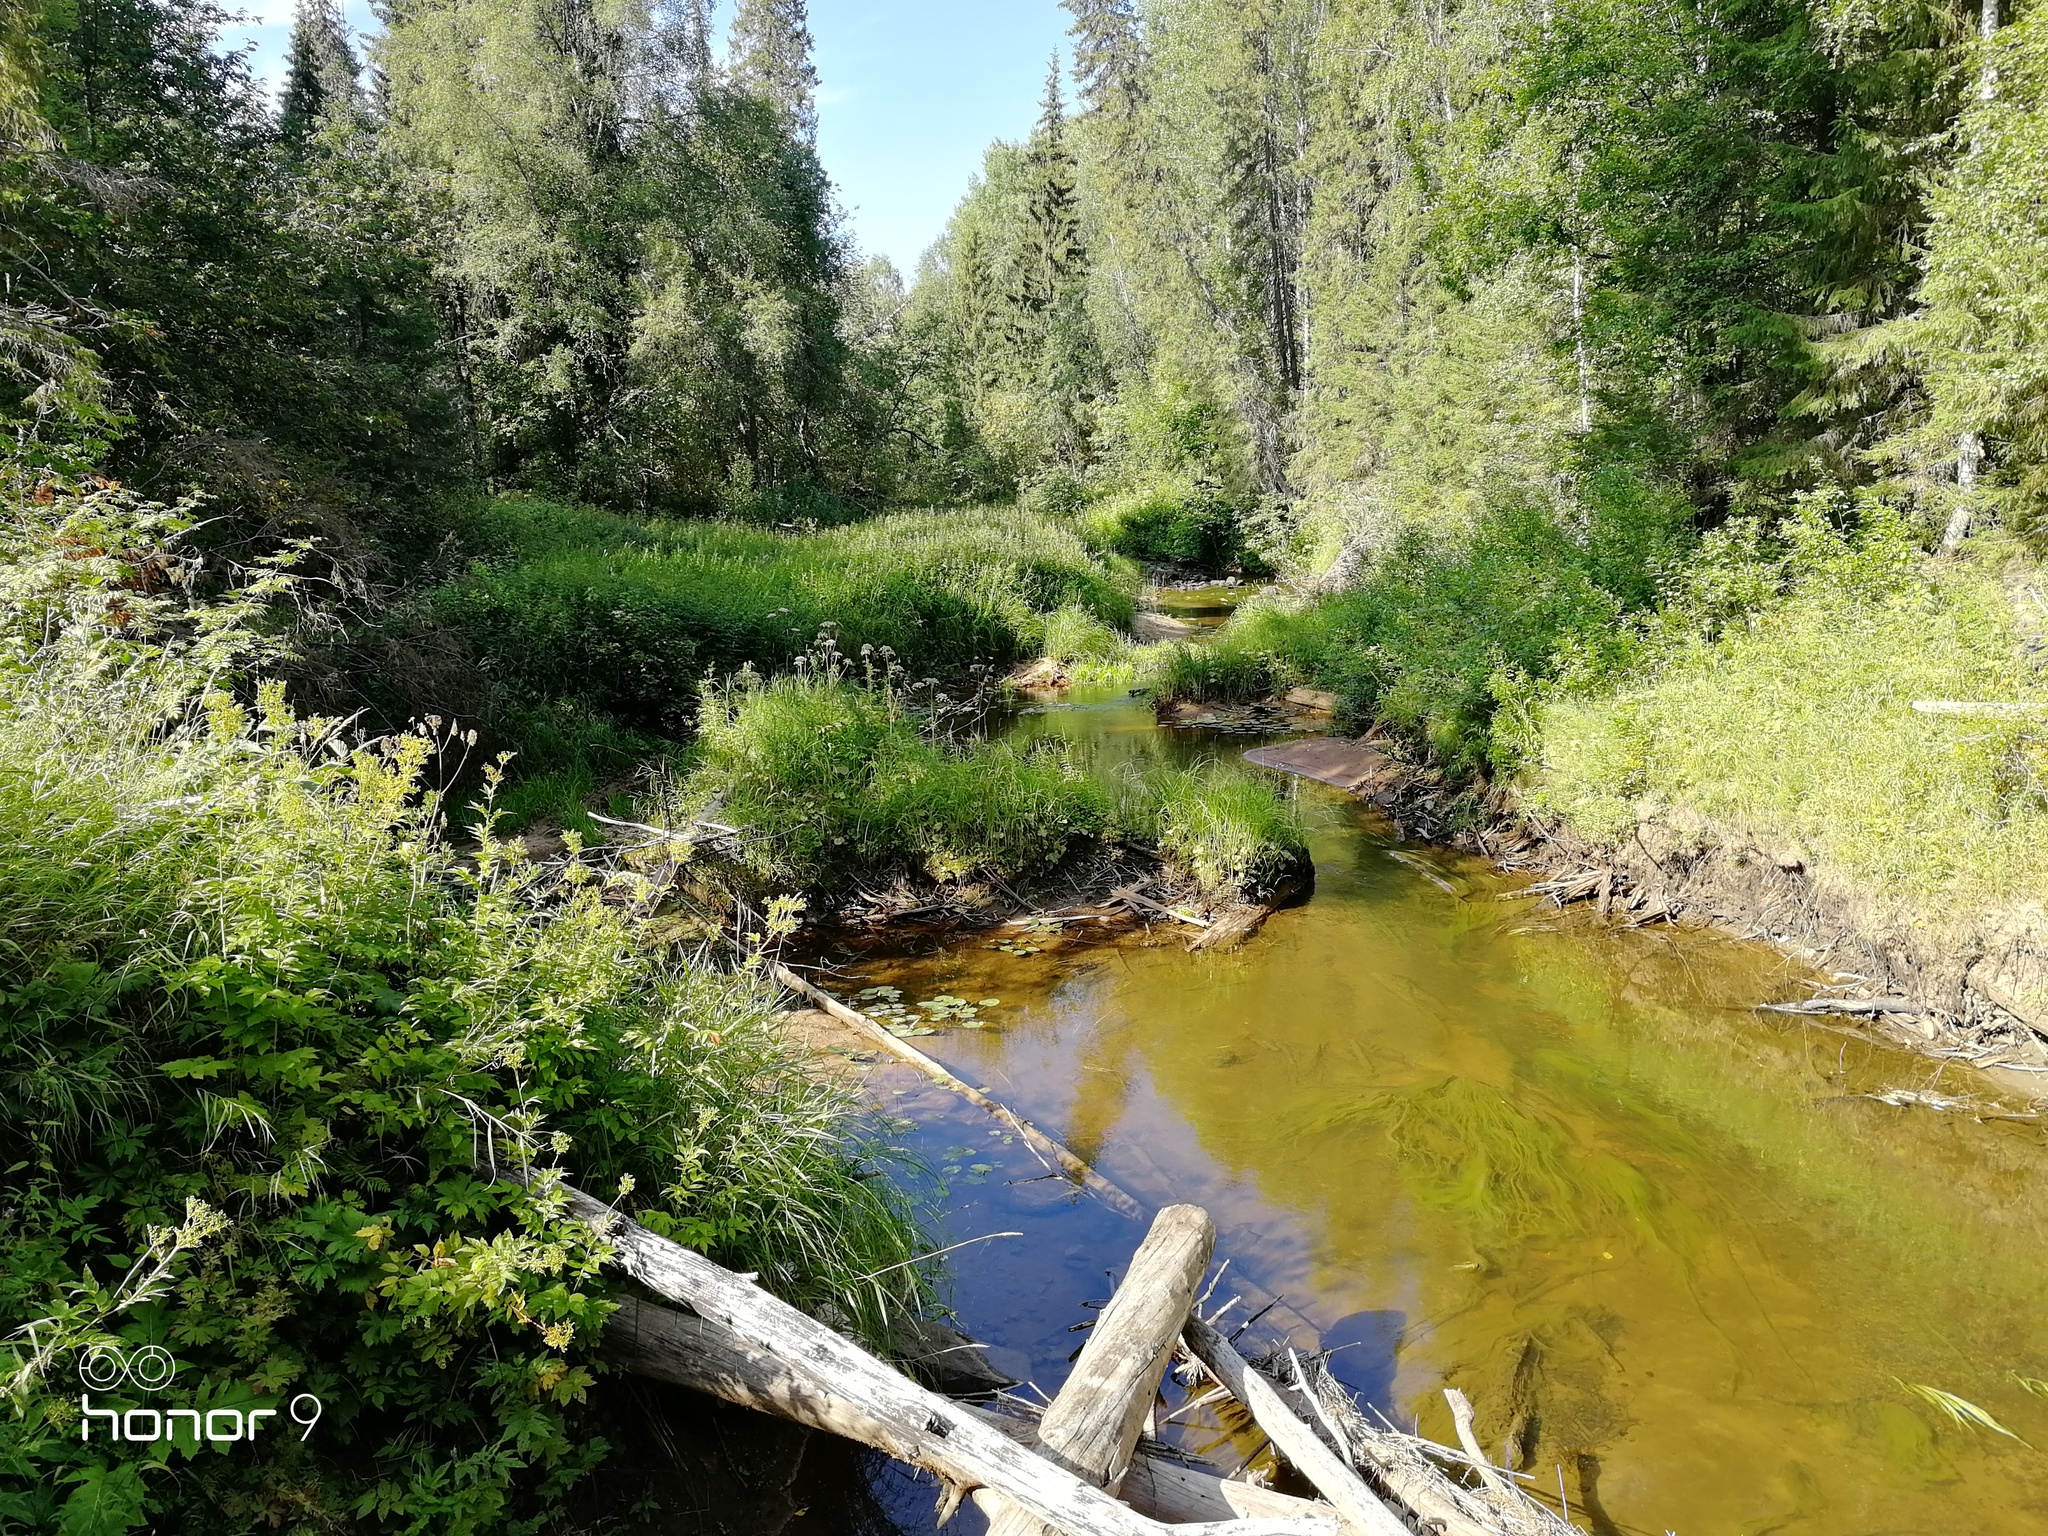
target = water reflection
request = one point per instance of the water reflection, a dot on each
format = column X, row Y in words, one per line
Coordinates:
column 1669, row 1249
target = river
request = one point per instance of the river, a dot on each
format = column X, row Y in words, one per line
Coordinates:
column 1670, row 1245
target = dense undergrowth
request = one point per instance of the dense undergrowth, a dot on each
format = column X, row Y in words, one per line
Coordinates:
column 267, row 1036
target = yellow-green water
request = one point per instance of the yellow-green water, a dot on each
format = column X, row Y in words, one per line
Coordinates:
column 1662, row 1240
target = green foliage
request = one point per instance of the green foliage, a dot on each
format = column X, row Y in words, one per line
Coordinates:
column 258, row 322
column 628, row 616
column 1981, row 333
column 267, row 1037
column 1441, row 628
column 1791, row 721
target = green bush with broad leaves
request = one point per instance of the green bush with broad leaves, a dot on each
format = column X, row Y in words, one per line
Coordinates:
column 270, row 1046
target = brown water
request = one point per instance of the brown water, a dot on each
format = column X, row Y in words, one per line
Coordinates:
column 1664, row 1242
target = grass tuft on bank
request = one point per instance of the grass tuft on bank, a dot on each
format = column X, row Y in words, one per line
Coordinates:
column 829, row 776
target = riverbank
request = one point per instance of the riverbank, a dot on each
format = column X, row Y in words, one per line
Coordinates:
column 1830, row 741
column 1673, row 1247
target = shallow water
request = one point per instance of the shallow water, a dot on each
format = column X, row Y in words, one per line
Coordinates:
column 1663, row 1242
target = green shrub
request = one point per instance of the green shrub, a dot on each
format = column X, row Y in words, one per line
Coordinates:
column 1178, row 524
column 267, row 1035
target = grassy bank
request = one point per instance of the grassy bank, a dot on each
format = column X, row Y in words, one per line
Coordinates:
column 267, row 1035
column 627, row 617
column 1793, row 727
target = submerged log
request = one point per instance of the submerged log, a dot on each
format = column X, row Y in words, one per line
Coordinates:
column 1041, row 1143
column 763, row 1353
column 1092, row 1426
column 1363, row 1509
column 1231, row 930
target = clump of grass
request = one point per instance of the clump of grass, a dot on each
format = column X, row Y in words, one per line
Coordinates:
column 832, row 777
column 1442, row 627
column 829, row 777
column 1229, row 828
column 1086, row 648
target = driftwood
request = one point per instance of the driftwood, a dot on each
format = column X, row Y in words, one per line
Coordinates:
column 1361, row 1508
column 1230, row 930
column 1468, row 1437
column 1407, row 1467
column 1975, row 710
column 1849, row 1005
column 1092, row 1426
column 1128, row 894
column 1057, row 1155
column 682, row 1349
column 763, row 1353
column 1169, row 1490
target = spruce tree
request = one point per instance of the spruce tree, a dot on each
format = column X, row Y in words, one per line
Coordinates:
column 771, row 58
column 322, row 77
column 1057, row 256
column 1108, row 52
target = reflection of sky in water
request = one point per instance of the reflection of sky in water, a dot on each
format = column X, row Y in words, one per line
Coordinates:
column 1474, row 1142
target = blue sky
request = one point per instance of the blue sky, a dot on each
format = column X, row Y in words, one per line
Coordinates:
column 912, row 93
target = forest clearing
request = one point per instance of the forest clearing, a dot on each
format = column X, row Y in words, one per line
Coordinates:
column 1341, row 828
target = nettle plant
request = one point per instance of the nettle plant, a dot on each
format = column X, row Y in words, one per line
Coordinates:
column 270, row 1045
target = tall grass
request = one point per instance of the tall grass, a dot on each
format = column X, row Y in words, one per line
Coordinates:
column 628, row 617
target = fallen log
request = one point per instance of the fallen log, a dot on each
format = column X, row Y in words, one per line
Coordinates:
column 1059, row 1157
column 682, row 1349
column 1363, row 1509
column 1173, row 1492
column 1092, row 1426
column 1849, row 1005
column 763, row 1353
column 1976, row 710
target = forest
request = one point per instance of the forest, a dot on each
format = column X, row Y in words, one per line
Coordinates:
column 1624, row 410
